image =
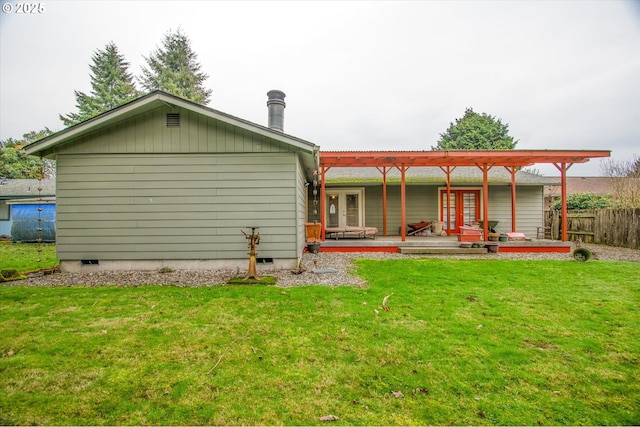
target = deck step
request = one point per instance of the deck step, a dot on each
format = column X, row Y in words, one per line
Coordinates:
column 441, row 250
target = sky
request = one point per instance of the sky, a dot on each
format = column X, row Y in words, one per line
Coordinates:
column 358, row 75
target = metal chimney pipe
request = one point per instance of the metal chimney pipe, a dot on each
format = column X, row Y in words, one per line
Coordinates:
column 276, row 109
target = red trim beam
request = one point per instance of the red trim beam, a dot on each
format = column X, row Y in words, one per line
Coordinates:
column 456, row 157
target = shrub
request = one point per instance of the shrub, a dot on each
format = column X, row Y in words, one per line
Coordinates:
column 588, row 200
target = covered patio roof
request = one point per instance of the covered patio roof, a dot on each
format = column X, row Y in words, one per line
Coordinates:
column 447, row 161
column 456, row 158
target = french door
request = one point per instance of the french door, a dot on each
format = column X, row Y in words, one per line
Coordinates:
column 344, row 208
column 464, row 208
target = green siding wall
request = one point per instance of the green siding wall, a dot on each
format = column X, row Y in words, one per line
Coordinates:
column 529, row 208
column 178, row 206
column 422, row 203
column 148, row 133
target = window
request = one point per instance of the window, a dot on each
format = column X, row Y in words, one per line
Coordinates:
column 5, row 210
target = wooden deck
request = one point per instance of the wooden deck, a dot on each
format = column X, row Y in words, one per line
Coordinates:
column 437, row 245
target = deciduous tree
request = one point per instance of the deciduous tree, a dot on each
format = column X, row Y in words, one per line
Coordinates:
column 625, row 180
column 14, row 164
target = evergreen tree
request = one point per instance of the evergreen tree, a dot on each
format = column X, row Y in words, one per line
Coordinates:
column 111, row 85
column 476, row 132
column 174, row 68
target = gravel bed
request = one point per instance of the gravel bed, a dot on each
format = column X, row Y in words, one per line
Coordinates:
column 323, row 263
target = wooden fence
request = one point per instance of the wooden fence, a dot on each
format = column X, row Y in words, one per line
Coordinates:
column 612, row 227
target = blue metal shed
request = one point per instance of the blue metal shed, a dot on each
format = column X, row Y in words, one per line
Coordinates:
column 28, row 218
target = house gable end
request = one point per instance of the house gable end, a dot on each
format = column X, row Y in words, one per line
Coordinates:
column 151, row 133
column 150, row 103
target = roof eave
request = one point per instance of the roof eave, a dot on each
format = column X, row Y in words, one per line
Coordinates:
column 519, row 158
column 79, row 129
column 241, row 123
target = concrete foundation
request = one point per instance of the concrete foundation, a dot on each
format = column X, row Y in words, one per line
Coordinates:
column 241, row 265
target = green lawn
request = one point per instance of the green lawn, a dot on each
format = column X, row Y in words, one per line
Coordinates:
column 27, row 256
column 482, row 342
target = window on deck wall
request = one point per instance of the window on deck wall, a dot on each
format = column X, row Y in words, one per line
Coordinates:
column 4, row 211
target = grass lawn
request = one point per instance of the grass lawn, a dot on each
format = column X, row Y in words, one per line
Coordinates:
column 482, row 342
column 25, row 256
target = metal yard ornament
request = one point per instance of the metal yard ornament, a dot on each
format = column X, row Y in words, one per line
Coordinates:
column 253, row 241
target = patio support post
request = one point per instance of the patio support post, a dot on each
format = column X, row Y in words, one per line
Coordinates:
column 447, row 170
column 323, row 198
column 563, row 168
column 403, row 202
column 512, row 170
column 485, row 198
column 448, row 201
column 384, row 171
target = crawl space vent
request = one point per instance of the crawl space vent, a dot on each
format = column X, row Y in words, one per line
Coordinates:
column 173, row 120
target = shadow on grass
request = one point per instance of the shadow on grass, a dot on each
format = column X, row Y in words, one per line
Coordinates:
column 265, row 281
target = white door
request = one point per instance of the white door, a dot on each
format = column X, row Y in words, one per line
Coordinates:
column 344, row 208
